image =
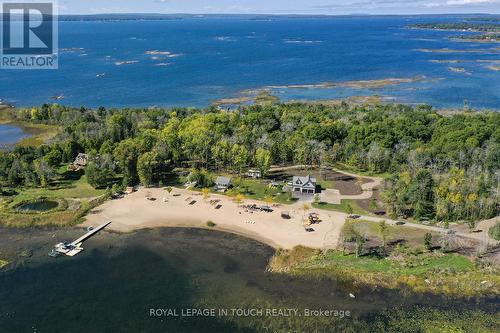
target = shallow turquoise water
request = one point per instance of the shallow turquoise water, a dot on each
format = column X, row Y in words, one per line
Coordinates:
column 218, row 57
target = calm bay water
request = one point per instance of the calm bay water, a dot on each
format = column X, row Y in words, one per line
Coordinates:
column 203, row 59
column 10, row 134
column 112, row 286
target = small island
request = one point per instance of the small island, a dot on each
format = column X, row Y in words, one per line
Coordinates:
column 458, row 26
column 489, row 37
column 490, row 32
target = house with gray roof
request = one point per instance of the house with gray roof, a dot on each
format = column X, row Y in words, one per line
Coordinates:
column 222, row 183
column 80, row 162
column 303, row 185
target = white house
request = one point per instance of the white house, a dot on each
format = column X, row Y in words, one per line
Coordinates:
column 304, row 185
column 254, row 173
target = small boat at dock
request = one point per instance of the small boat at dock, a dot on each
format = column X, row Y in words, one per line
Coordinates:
column 75, row 247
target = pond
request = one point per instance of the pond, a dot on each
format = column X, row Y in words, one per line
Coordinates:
column 38, row 206
column 9, row 135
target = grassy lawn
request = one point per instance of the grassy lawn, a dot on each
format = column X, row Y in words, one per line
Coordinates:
column 258, row 190
column 370, row 230
column 66, row 185
column 342, row 207
column 70, row 188
column 250, row 188
column 326, row 184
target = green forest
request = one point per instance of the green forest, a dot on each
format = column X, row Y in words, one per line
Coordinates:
column 438, row 166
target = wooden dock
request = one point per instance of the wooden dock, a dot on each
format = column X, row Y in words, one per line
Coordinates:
column 75, row 247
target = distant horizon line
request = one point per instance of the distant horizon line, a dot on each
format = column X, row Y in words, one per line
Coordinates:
column 278, row 14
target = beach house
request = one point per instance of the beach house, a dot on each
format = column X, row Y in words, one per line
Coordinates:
column 303, row 185
column 222, row 183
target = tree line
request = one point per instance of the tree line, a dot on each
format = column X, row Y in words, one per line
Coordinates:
column 443, row 166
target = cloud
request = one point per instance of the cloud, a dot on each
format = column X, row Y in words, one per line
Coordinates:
column 467, row 2
column 380, row 4
column 455, row 3
column 371, row 3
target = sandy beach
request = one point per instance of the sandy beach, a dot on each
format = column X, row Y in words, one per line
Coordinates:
column 135, row 212
column 184, row 208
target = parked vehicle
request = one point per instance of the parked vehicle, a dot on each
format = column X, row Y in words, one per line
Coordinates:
column 266, row 209
column 285, row 215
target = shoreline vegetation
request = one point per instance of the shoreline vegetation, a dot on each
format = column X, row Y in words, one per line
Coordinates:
column 38, row 133
column 434, row 273
column 376, row 256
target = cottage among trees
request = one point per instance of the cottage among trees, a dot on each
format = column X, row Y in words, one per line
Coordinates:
column 254, row 173
column 304, row 185
column 80, row 162
column 222, row 183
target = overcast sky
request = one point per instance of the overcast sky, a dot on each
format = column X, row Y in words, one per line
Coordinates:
column 331, row 7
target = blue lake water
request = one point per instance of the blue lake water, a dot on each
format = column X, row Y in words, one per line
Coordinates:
column 113, row 284
column 107, row 62
column 10, row 134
